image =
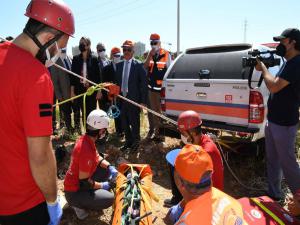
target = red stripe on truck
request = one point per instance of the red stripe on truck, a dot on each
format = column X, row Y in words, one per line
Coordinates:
column 242, row 113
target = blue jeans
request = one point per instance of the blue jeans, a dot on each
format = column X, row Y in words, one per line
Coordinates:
column 281, row 158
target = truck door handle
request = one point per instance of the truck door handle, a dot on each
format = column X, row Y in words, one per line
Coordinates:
column 201, row 94
column 204, row 73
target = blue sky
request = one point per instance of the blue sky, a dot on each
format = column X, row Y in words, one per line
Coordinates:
column 202, row 22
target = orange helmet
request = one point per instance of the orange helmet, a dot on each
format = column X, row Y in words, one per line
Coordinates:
column 54, row 13
column 154, row 37
column 188, row 120
column 128, row 43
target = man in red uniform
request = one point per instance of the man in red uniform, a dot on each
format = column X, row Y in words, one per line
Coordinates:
column 28, row 187
column 189, row 125
column 86, row 182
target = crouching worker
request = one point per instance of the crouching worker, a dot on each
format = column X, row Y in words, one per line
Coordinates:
column 202, row 203
column 189, row 126
column 87, row 182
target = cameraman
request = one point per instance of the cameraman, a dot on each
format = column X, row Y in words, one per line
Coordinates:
column 283, row 115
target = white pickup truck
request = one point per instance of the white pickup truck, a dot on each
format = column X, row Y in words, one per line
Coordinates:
column 212, row 81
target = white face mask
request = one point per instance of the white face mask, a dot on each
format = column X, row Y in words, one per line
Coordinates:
column 117, row 59
column 63, row 54
column 184, row 139
column 102, row 54
column 155, row 47
column 52, row 60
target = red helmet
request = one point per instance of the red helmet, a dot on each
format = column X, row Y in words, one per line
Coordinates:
column 188, row 120
column 54, row 13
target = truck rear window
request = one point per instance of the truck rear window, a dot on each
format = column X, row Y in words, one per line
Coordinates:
column 220, row 62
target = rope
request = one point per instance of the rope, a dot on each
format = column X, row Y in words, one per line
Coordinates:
column 218, row 142
column 119, row 96
column 89, row 92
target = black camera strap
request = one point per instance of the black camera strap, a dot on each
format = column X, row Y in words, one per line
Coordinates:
column 250, row 78
column 261, row 78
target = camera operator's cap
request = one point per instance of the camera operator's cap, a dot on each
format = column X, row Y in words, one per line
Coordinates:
column 128, row 44
column 292, row 33
column 154, row 37
column 191, row 163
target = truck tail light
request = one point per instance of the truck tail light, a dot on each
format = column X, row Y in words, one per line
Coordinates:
column 256, row 107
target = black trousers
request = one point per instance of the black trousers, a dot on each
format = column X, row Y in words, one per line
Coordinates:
column 92, row 199
column 66, row 110
column 118, row 120
column 175, row 192
column 37, row 215
column 91, row 104
column 130, row 116
column 104, row 102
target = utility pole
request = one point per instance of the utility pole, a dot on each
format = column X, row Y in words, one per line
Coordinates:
column 245, row 30
column 178, row 27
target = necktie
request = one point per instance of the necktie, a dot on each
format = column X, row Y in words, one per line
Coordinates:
column 125, row 79
column 66, row 64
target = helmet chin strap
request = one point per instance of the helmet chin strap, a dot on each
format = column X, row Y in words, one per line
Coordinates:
column 42, row 48
column 190, row 135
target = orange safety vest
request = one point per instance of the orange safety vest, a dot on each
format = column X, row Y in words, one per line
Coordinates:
column 157, row 70
column 212, row 208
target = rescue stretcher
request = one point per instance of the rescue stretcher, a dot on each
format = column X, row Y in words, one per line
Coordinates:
column 133, row 195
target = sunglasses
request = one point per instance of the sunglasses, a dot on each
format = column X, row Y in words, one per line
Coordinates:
column 127, row 49
column 101, row 50
column 117, row 55
column 153, row 42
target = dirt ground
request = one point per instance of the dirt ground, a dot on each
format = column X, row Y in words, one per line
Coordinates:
column 246, row 164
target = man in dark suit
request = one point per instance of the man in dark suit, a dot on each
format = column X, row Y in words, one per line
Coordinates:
column 62, row 88
column 131, row 77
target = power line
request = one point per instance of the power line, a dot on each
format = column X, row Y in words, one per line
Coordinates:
column 118, row 9
column 84, row 11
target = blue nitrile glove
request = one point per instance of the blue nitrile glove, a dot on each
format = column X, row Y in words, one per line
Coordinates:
column 175, row 213
column 55, row 213
column 112, row 172
column 105, row 185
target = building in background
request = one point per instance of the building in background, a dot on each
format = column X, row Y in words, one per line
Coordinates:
column 75, row 50
column 139, row 48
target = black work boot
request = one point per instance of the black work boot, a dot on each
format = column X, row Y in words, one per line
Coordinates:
column 171, row 202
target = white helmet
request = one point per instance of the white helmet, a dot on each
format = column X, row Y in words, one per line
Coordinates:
column 98, row 119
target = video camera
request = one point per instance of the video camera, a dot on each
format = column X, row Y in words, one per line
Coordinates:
column 268, row 61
